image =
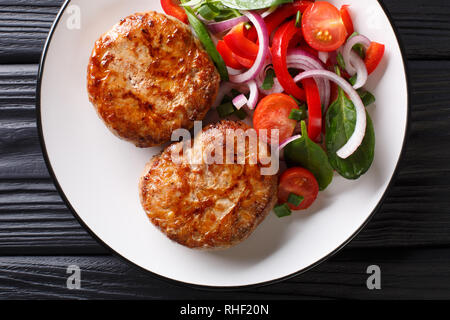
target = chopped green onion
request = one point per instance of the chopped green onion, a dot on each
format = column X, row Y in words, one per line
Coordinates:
column 268, row 81
column 298, row 114
column 353, row 79
column 282, row 210
column 340, row 61
column 298, row 19
column 366, row 97
column 295, row 115
column 295, row 200
column 337, row 70
column 225, row 110
column 241, row 114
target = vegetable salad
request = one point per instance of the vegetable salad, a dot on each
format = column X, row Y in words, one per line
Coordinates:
column 297, row 66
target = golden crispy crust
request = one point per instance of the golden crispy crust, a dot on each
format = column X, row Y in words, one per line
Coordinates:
column 149, row 76
column 206, row 206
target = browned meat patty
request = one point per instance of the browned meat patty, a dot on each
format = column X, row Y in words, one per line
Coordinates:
column 148, row 76
column 207, row 206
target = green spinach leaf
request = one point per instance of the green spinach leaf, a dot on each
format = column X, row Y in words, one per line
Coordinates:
column 340, row 125
column 309, row 155
column 253, row 4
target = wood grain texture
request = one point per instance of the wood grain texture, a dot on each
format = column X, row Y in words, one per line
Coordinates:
column 406, row 274
column 409, row 237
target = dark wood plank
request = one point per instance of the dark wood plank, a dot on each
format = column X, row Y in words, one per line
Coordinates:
column 405, row 274
column 24, row 26
column 32, row 215
column 424, row 27
column 34, row 219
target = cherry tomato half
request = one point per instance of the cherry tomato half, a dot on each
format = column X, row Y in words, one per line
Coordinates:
column 373, row 56
column 347, row 19
column 272, row 113
column 323, row 27
column 172, row 8
column 300, row 182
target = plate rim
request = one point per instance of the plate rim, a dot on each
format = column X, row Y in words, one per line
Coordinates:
column 209, row 287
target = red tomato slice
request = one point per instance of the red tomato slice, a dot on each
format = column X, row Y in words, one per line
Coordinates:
column 300, row 182
column 323, row 28
column 273, row 112
column 240, row 44
column 172, row 8
column 373, row 56
column 347, row 19
column 227, row 55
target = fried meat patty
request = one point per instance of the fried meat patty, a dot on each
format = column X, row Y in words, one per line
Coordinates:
column 148, row 76
column 207, row 206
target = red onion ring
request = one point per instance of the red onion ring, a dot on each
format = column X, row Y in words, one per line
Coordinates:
column 240, row 101
column 263, row 51
column 288, row 141
column 276, row 88
column 361, row 70
column 306, row 61
column 268, row 12
column 346, row 53
column 361, row 120
column 233, row 71
column 254, row 95
column 222, row 26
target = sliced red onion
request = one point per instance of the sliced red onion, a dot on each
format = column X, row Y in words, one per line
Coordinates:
column 361, row 121
column 361, row 70
column 222, row 26
column 276, row 88
column 322, row 84
column 233, row 71
column 263, row 51
column 269, row 11
column 288, row 141
column 348, row 48
column 323, row 56
column 240, row 101
column 301, row 59
column 305, row 55
column 254, row 95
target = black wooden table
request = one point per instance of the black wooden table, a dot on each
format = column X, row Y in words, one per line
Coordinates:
column 409, row 238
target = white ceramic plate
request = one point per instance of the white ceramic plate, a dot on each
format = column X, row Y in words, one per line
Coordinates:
column 97, row 174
